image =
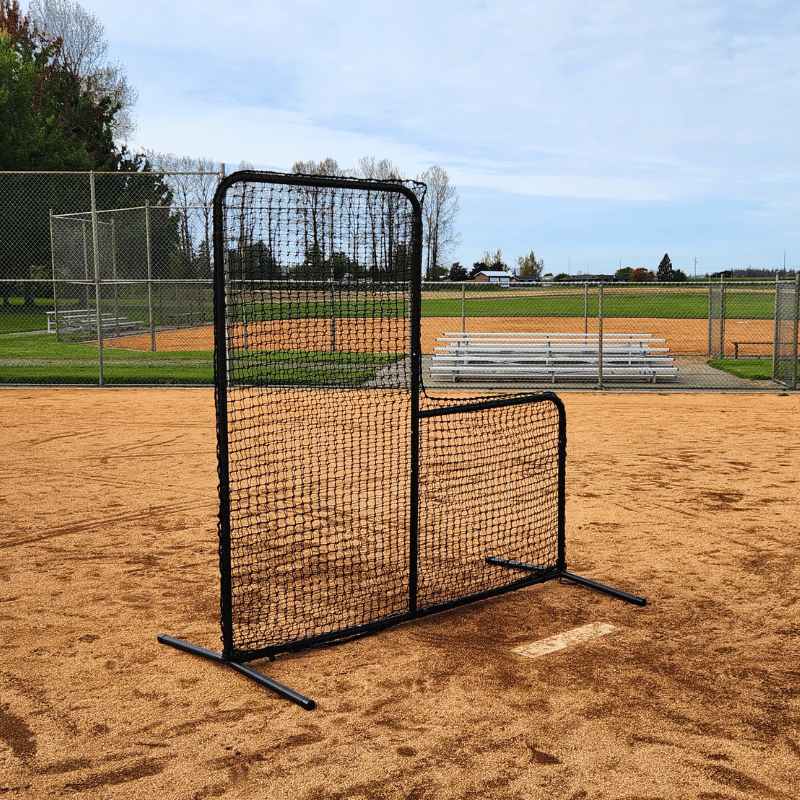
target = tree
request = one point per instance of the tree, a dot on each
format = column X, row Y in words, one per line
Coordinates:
column 478, row 266
column 664, row 272
column 458, row 273
column 318, row 208
column 623, row 274
column 529, row 267
column 83, row 52
column 47, row 122
column 381, row 228
column 193, row 182
column 642, row 275
column 439, row 213
column 495, row 261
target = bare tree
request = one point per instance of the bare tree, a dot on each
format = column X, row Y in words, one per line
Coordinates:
column 495, row 261
column 439, row 211
column 193, row 182
column 84, row 52
column 383, row 210
column 318, row 214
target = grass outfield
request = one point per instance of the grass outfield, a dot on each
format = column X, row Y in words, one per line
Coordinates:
column 643, row 305
column 630, row 303
column 742, row 302
column 38, row 358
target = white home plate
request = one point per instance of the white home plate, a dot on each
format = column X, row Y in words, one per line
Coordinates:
column 562, row 640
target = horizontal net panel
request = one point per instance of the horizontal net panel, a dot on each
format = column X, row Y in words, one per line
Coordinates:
column 488, row 488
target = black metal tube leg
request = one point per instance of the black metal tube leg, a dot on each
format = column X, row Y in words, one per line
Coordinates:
column 601, row 587
column 284, row 691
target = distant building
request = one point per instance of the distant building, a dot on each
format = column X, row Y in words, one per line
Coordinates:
column 493, row 276
column 587, row 279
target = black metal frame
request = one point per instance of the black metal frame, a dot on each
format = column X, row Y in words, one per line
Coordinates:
column 531, row 573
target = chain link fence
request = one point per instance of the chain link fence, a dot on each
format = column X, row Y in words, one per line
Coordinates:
column 105, row 279
column 95, row 268
column 712, row 335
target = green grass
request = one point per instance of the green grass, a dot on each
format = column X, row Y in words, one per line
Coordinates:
column 16, row 317
column 754, row 369
column 45, row 346
column 321, row 357
column 347, row 309
column 299, row 376
column 309, row 368
column 39, row 358
column 620, row 304
column 157, row 374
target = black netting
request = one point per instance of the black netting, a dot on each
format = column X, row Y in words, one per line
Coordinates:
column 489, row 488
column 349, row 499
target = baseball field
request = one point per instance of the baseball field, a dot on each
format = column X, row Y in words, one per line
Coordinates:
column 109, row 501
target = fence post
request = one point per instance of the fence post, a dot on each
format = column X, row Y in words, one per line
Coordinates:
column 85, row 264
column 722, row 316
column 114, row 274
column 53, row 261
column 463, row 307
column 776, row 335
column 599, row 336
column 149, row 276
column 97, row 291
column 710, row 313
column 794, row 338
column 586, row 307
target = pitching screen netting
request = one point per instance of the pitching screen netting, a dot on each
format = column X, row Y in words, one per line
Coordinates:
column 489, row 487
column 348, row 499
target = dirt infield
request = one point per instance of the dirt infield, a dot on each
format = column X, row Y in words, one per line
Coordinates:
column 682, row 336
column 109, row 502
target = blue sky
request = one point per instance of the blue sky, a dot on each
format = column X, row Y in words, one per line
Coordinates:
column 595, row 133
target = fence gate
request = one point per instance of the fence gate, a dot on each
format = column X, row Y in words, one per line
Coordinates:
column 784, row 364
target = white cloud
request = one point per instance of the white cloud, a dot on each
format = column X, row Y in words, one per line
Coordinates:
column 619, row 99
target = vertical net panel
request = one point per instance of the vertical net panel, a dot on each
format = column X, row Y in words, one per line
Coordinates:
column 489, row 488
column 316, row 412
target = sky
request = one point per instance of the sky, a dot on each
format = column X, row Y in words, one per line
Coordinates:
column 598, row 134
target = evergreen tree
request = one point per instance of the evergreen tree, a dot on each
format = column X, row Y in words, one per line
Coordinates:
column 458, row 273
column 664, row 272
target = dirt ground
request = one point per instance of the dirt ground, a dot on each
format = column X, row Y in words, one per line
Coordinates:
column 681, row 336
column 109, row 501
